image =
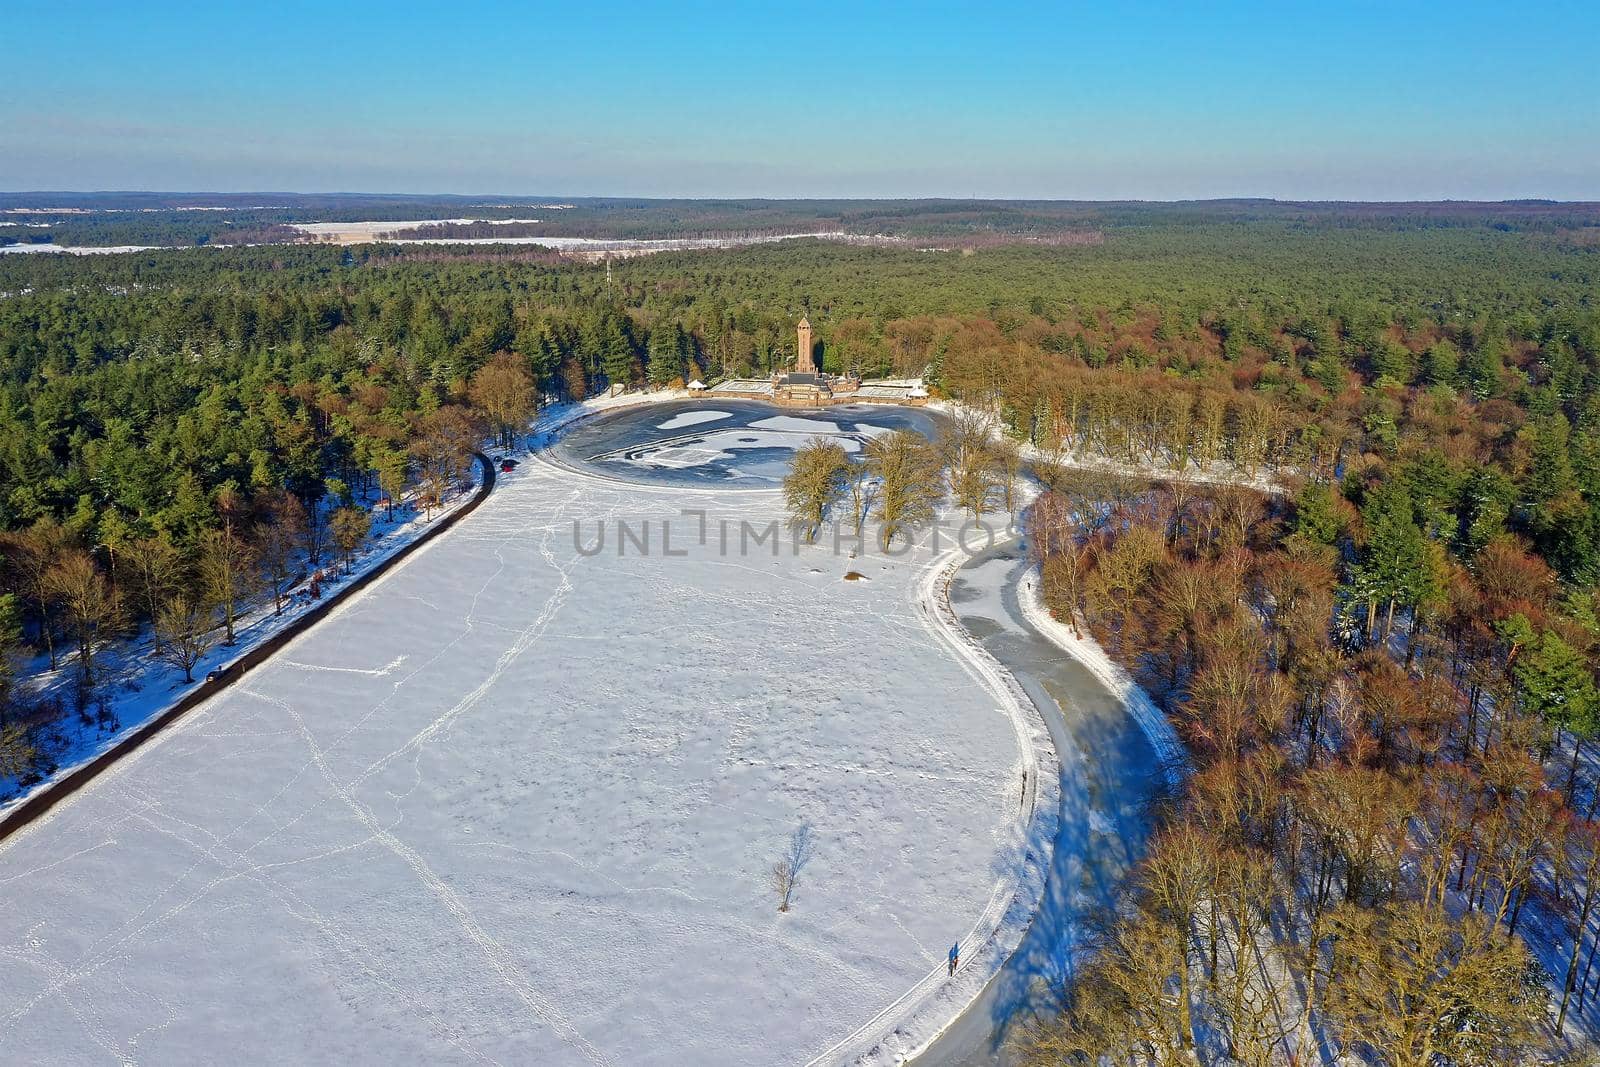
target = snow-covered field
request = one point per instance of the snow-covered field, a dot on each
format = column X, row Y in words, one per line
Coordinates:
column 520, row 803
column 352, row 233
column 372, row 231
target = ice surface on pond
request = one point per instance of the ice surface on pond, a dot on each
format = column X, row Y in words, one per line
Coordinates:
column 656, row 445
column 713, row 448
column 679, row 457
column 520, row 804
column 693, row 418
column 822, row 427
column 798, row 425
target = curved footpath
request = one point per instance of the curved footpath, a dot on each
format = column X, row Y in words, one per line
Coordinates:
column 1118, row 755
column 47, row 796
column 934, row 1003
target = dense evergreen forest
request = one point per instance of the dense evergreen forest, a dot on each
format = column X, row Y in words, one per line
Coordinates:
column 1386, row 677
column 1325, row 349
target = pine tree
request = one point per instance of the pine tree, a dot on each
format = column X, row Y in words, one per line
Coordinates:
column 1441, row 363
column 1330, row 373
column 1314, row 516
column 1483, row 366
column 617, row 356
column 1550, row 466
column 1396, row 557
column 666, row 355
column 1553, row 679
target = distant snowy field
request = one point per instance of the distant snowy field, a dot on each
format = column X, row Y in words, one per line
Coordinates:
column 76, row 250
column 520, row 804
column 352, row 233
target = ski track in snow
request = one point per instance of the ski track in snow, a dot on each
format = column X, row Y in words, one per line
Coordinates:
column 387, row 668
column 360, row 852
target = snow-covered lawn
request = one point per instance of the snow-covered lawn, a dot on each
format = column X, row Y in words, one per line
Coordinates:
column 521, row 804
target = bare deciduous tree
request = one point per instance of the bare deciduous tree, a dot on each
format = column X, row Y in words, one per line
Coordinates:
column 185, row 632
column 910, row 481
column 226, row 574
column 30, row 555
column 964, row 449
column 442, row 453
column 503, row 390
column 814, row 483
column 314, row 533
column 1420, row 986
column 157, row 569
column 282, row 529
column 1007, row 459
column 786, row 872
column 859, row 481
column 91, row 607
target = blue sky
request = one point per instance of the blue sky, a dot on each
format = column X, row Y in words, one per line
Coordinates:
column 1065, row 100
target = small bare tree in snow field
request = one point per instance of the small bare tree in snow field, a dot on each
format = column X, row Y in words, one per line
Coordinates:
column 786, row 872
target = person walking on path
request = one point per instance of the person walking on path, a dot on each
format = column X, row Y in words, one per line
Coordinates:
column 955, row 958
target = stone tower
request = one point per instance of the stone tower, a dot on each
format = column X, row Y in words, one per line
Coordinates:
column 804, row 364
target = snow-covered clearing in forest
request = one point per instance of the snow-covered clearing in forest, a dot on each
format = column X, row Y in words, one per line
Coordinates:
column 375, row 229
column 44, row 247
column 518, row 803
column 369, row 232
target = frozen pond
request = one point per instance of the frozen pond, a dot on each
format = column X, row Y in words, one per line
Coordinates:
column 725, row 443
column 520, row 803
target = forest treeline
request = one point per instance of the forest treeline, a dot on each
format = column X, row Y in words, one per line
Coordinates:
column 178, row 220
column 1467, row 358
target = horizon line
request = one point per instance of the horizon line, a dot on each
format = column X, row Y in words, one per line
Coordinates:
column 976, row 198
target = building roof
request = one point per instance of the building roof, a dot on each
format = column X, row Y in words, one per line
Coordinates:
column 744, row 387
